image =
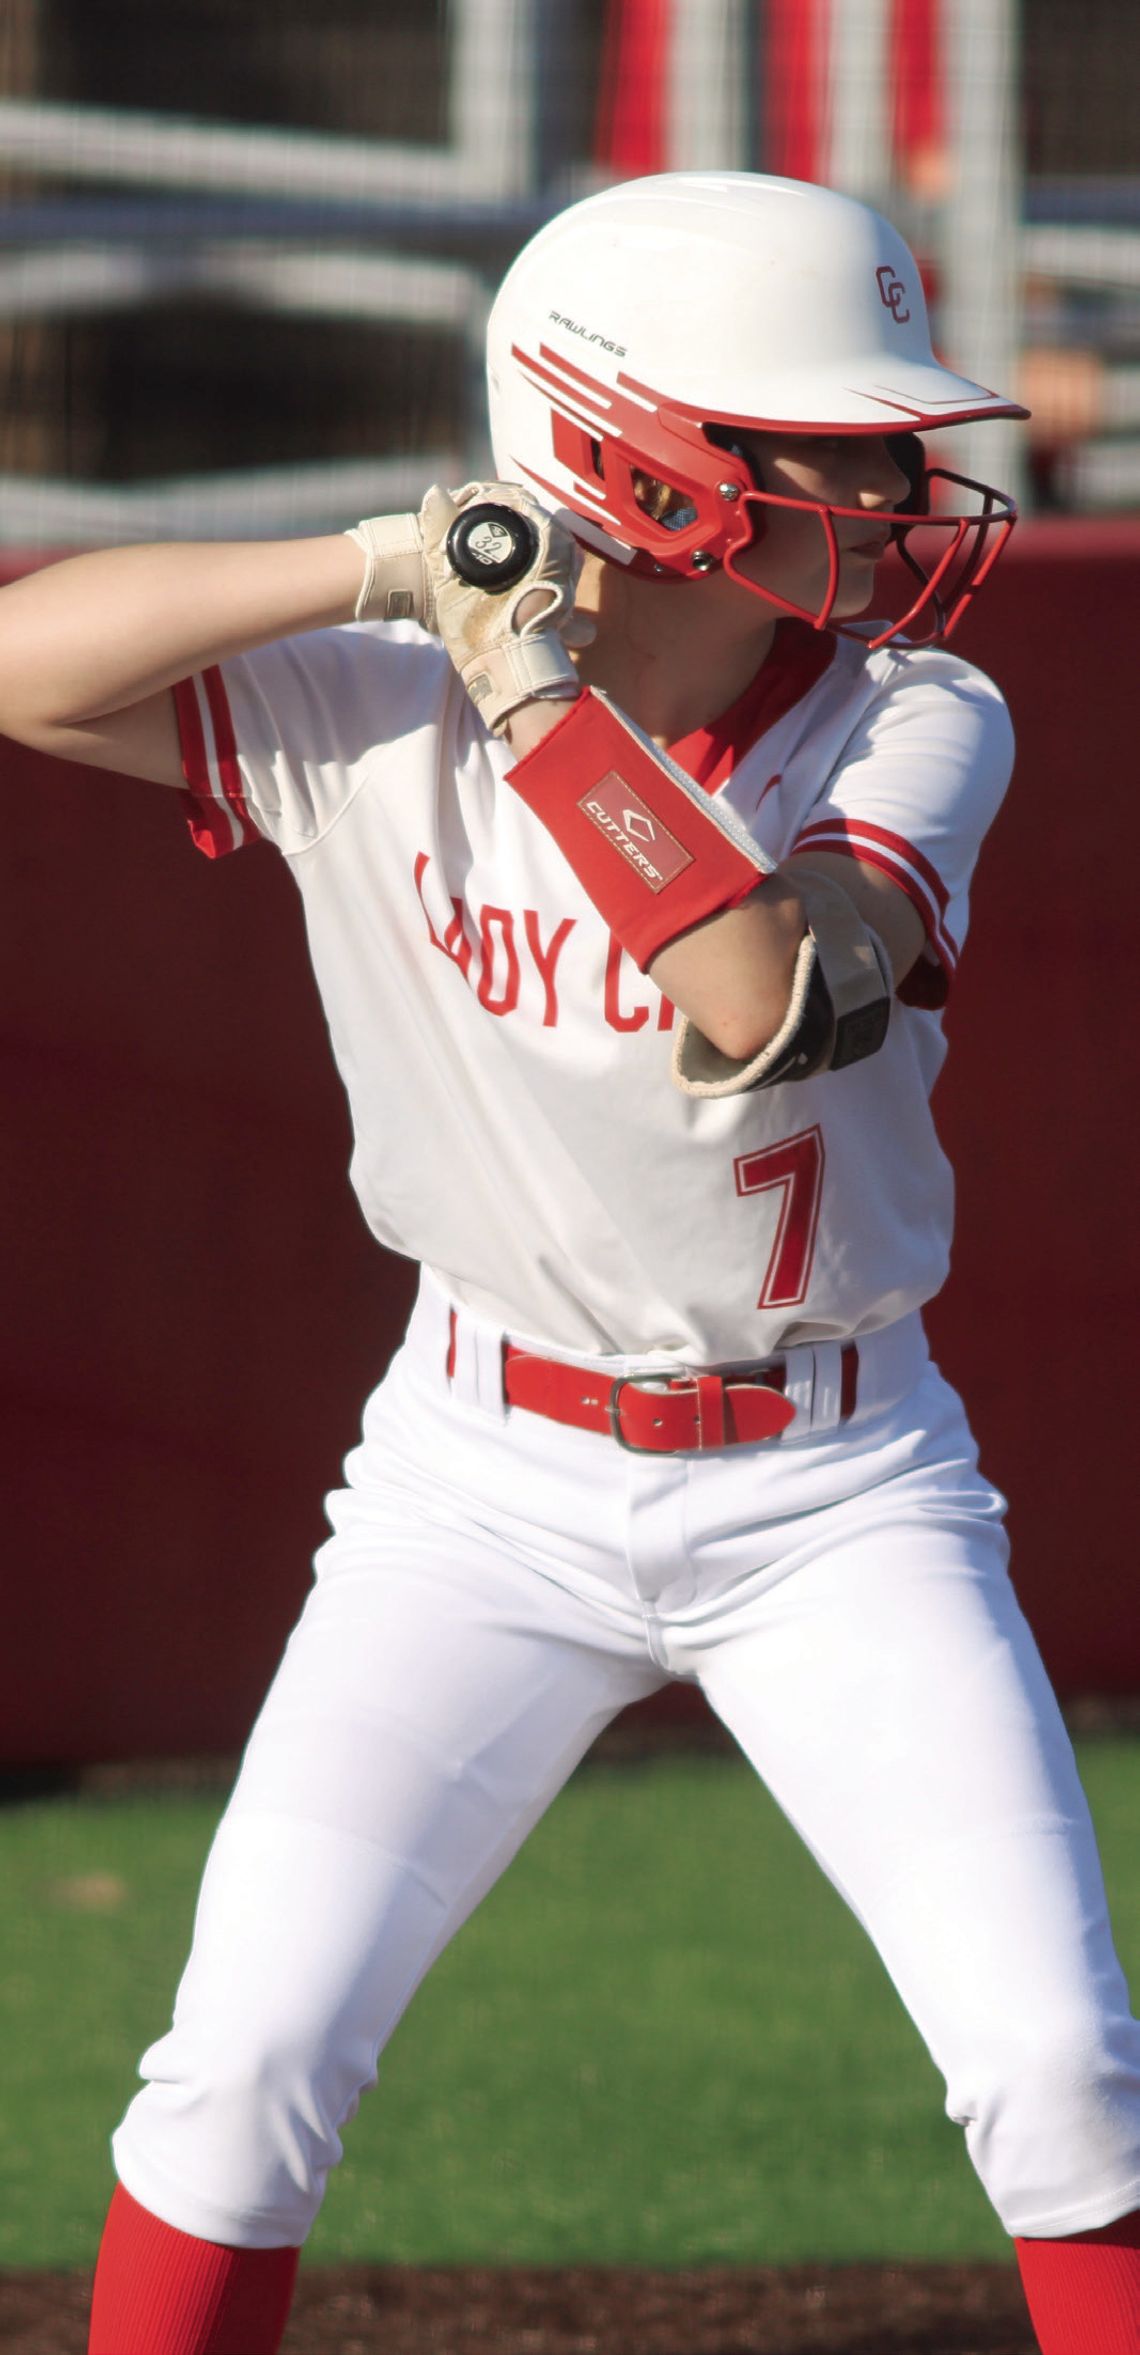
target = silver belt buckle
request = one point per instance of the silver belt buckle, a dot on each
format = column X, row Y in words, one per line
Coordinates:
column 662, row 1383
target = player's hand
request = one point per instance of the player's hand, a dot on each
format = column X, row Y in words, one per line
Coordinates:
column 502, row 577
column 396, row 585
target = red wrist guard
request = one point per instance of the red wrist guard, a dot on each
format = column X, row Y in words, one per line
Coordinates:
column 656, row 854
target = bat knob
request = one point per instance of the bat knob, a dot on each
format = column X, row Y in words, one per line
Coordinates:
column 491, row 547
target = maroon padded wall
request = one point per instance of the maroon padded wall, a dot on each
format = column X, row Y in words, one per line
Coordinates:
column 193, row 1310
column 1038, row 1102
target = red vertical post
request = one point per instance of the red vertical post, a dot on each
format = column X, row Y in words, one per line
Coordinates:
column 794, row 87
column 631, row 128
column 918, row 114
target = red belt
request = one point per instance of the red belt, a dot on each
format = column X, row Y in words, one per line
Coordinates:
column 664, row 1414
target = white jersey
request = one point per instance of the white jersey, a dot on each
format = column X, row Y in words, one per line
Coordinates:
column 507, row 1066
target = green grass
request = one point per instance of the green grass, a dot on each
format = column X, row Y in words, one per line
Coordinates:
column 660, row 2041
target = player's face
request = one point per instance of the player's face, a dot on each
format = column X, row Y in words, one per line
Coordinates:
column 841, row 470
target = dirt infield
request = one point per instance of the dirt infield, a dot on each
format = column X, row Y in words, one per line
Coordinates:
column 401, row 2310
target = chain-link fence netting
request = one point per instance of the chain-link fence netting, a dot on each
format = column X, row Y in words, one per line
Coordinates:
column 246, row 253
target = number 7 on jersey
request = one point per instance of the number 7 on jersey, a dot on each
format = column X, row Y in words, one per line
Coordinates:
column 795, row 1167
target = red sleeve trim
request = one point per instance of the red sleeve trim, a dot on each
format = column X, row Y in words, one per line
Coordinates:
column 217, row 813
column 893, row 855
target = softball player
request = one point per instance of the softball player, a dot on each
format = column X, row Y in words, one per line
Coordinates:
column 634, row 839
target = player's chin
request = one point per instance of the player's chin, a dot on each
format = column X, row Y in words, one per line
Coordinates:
column 856, row 585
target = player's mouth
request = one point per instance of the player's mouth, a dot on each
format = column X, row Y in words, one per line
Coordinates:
column 875, row 545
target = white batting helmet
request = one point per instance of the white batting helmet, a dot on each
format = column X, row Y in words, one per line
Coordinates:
column 644, row 316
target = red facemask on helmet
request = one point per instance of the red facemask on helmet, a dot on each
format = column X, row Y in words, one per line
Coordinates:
column 679, row 495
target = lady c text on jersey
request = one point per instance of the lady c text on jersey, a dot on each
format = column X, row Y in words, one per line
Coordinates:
column 493, row 967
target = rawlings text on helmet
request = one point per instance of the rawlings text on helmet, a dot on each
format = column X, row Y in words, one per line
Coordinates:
column 574, row 327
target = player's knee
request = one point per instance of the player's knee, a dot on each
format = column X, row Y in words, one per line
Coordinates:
column 1056, row 2123
column 299, row 2085
column 249, row 2125
column 1074, row 2059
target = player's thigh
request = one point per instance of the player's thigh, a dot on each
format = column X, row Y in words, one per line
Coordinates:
column 433, row 1698
column 451, row 1666
column 432, row 1701
column 895, row 1703
column 436, row 1691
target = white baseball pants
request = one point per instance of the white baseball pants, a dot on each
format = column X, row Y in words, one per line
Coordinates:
column 497, row 1587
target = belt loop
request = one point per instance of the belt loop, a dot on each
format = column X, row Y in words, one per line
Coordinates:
column 836, row 1384
column 828, row 1386
column 490, row 1393
column 800, row 1386
column 475, row 1364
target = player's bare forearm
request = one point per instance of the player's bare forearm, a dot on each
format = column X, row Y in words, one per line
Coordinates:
column 732, row 974
column 96, row 634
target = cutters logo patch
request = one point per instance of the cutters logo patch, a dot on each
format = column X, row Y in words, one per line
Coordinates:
column 656, row 855
column 893, row 293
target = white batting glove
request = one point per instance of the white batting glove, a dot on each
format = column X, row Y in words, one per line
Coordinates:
column 396, row 586
column 502, row 577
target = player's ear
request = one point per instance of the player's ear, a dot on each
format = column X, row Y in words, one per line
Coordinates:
column 725, row 437
column 909, row 456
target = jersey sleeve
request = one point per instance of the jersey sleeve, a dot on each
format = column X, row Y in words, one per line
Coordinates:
column 277, row 742
column 919, row 781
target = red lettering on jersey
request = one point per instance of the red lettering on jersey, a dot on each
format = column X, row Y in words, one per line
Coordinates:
column 455, row 943
column 614, row 1016
column 547, row 959
column 499, row 981
column 795, row 1167
column 510, row 996
column 640, row 1014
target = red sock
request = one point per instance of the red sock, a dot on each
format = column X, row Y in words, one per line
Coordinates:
column 1084, row 2293
column 159, row 2292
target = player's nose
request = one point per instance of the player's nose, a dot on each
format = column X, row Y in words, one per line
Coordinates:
column 884, row 483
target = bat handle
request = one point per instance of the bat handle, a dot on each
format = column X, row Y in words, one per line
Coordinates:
column 491, row 547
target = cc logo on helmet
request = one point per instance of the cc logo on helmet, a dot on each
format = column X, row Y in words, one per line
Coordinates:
column 893, row 293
